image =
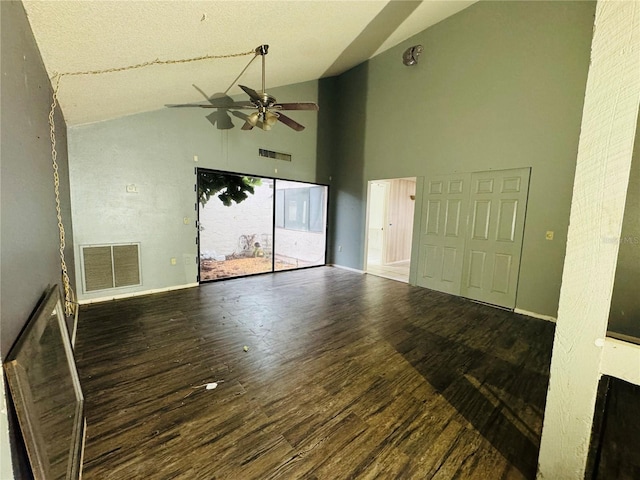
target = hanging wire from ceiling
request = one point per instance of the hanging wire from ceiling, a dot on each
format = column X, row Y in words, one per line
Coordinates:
column 157, row 61
column 69, row 298
column 70, row 304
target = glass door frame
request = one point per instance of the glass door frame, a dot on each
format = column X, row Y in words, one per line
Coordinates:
column 273, row 221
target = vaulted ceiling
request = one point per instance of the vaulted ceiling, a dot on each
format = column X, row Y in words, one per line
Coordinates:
column 308, row 40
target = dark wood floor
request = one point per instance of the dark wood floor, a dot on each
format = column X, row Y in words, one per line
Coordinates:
column 346, row 376
column 619, row 452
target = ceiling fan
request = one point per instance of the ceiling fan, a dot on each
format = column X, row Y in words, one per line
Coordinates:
column 268, row 110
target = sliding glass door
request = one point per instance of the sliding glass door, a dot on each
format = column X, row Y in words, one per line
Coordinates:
column 301, row 219
column 249, row 225
column 235, row 224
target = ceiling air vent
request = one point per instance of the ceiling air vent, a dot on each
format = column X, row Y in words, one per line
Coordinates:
column 271, row 154
column 110, row 266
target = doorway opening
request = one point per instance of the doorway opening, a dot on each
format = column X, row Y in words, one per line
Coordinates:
column 390, row 207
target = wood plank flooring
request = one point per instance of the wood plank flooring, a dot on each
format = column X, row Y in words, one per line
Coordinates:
column 346, row 376
column 619, row 452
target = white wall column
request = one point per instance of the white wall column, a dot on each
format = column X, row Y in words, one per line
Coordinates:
column 602, row 175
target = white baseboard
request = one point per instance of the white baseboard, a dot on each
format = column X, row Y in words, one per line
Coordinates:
column 548, row 318
column 136, row 294
column 348, row 268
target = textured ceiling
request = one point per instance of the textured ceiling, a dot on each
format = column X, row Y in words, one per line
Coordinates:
column 308, row 40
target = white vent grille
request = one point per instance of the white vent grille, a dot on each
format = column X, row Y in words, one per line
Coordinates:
column 110, row 266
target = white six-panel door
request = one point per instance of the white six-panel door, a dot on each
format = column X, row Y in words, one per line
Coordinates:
column 471, row 234
column 498, row 202
column 443, row 229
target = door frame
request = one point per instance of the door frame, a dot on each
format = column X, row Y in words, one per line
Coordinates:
column 273, row 222
column 418, row 195
column 367, row 218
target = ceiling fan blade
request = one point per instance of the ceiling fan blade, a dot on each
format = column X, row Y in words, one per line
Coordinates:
column 176, row 105
column 233, row 105
column 289, row 122
column 246, row 126
column 252, row 93
column 297, row 106
column 237, row 105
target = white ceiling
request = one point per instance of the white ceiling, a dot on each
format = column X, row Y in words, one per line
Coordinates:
column 308, row 40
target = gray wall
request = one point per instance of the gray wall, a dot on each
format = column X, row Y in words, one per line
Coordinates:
column 500, row 85
column 29, row 232
column 624, row 316
column 348, row 197
column 155, row 151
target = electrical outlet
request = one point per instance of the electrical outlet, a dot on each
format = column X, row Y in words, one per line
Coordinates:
column 339, row 248
column 174, row 261
column 186, row 220
column 549, row 235
column 131, row 188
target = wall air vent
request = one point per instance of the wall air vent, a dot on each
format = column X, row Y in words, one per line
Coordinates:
column 110, row 266
column 277, row 155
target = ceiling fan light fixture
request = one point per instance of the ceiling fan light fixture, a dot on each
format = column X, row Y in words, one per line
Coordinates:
column 270, row 118
column 253, row 118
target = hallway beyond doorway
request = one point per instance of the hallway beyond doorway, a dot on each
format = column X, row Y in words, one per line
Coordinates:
column 395, row 271
column 390, row 210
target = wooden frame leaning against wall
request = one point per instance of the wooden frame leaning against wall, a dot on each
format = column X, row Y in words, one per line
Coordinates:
column 45, row 388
